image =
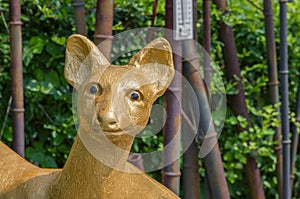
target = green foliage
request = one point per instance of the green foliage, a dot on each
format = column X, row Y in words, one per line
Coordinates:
column 49, row 123
column 247, row 22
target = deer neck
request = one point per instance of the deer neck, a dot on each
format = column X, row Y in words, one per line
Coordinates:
column 85, row 169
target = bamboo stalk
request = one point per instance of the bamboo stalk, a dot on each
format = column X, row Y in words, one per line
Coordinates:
column 79, row 12
column 273, row 86
column 286, row 189
column 17, row 76
column 237, row 102
column 213, row 160
column 207, row 189
column 190, row 174
column 171, row 173
column 206, row 66
column 295, row 138
column 103, row 27
column 206, row 41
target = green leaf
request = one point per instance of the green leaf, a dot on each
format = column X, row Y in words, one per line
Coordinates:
column 33, row 85
column 58, row 139
column 53, row 78
column 39, row 74
column 59, row 40
column 36, row 45
column 54, row 49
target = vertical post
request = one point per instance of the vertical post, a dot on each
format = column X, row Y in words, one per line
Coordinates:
column 273, row 85
column 206, row 66
column 295, row 136
column 284, row 99
column 213, row 161
column 103, row 27
column 17, row 76
column 206, row 41
column 171, row 173
column 190, row 173
column 79, row 16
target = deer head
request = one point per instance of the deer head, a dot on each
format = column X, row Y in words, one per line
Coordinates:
column 114, row 102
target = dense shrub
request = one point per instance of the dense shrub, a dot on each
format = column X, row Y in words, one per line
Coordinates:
column 49, row 124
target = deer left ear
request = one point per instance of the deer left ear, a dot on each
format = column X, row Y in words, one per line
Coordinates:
column 82, row 58
column 155, row 60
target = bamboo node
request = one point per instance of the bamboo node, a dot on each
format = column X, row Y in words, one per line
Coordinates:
column 18, row 110
column 284, row 71
column 274, row 83
column 15, row 23
column 286, row 141
column 103, row 36
column 171, row 173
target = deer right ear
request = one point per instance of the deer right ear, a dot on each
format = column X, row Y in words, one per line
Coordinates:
column 82, row 58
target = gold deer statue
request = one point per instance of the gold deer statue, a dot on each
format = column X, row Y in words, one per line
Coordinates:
column 113, row 105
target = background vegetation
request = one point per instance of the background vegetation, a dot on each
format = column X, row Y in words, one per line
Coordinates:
column 49, row 124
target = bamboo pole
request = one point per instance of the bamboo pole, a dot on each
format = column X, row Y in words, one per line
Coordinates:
column 273, row 85
column 79, row 12
column 103, row 27
column 171, row 173
column 237, row 102
column 295, row 138
column 213, row 160
column 17, row 76
column 190, row 174
column 206, row 66
column 286, row 189
column 206, row 41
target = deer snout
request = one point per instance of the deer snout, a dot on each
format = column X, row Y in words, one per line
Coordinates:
column 108, row 121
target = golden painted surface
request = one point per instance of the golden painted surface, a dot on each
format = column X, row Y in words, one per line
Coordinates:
column 114, row 104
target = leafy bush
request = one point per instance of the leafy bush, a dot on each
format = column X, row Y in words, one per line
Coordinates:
column 49, row 123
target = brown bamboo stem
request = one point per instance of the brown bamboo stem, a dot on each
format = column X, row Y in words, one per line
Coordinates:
column 103, row 27
column 79, row 12
column 295, row 138
column 213, row 161
column 206, row 64
column 273, row 85
column 171, row 173
column 190, row 174
column 17, row 76
column 206, row 41
column 237, row 102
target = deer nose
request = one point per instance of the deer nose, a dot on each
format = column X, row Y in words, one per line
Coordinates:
column 108, row 121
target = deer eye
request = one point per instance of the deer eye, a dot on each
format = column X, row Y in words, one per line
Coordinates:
column 136, row 96
column 95, row 89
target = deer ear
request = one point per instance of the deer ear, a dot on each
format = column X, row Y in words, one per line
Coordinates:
column 82, row 58
column 155, row 60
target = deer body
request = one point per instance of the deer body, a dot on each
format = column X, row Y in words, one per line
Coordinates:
column 97, row 181
column 114, row 104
